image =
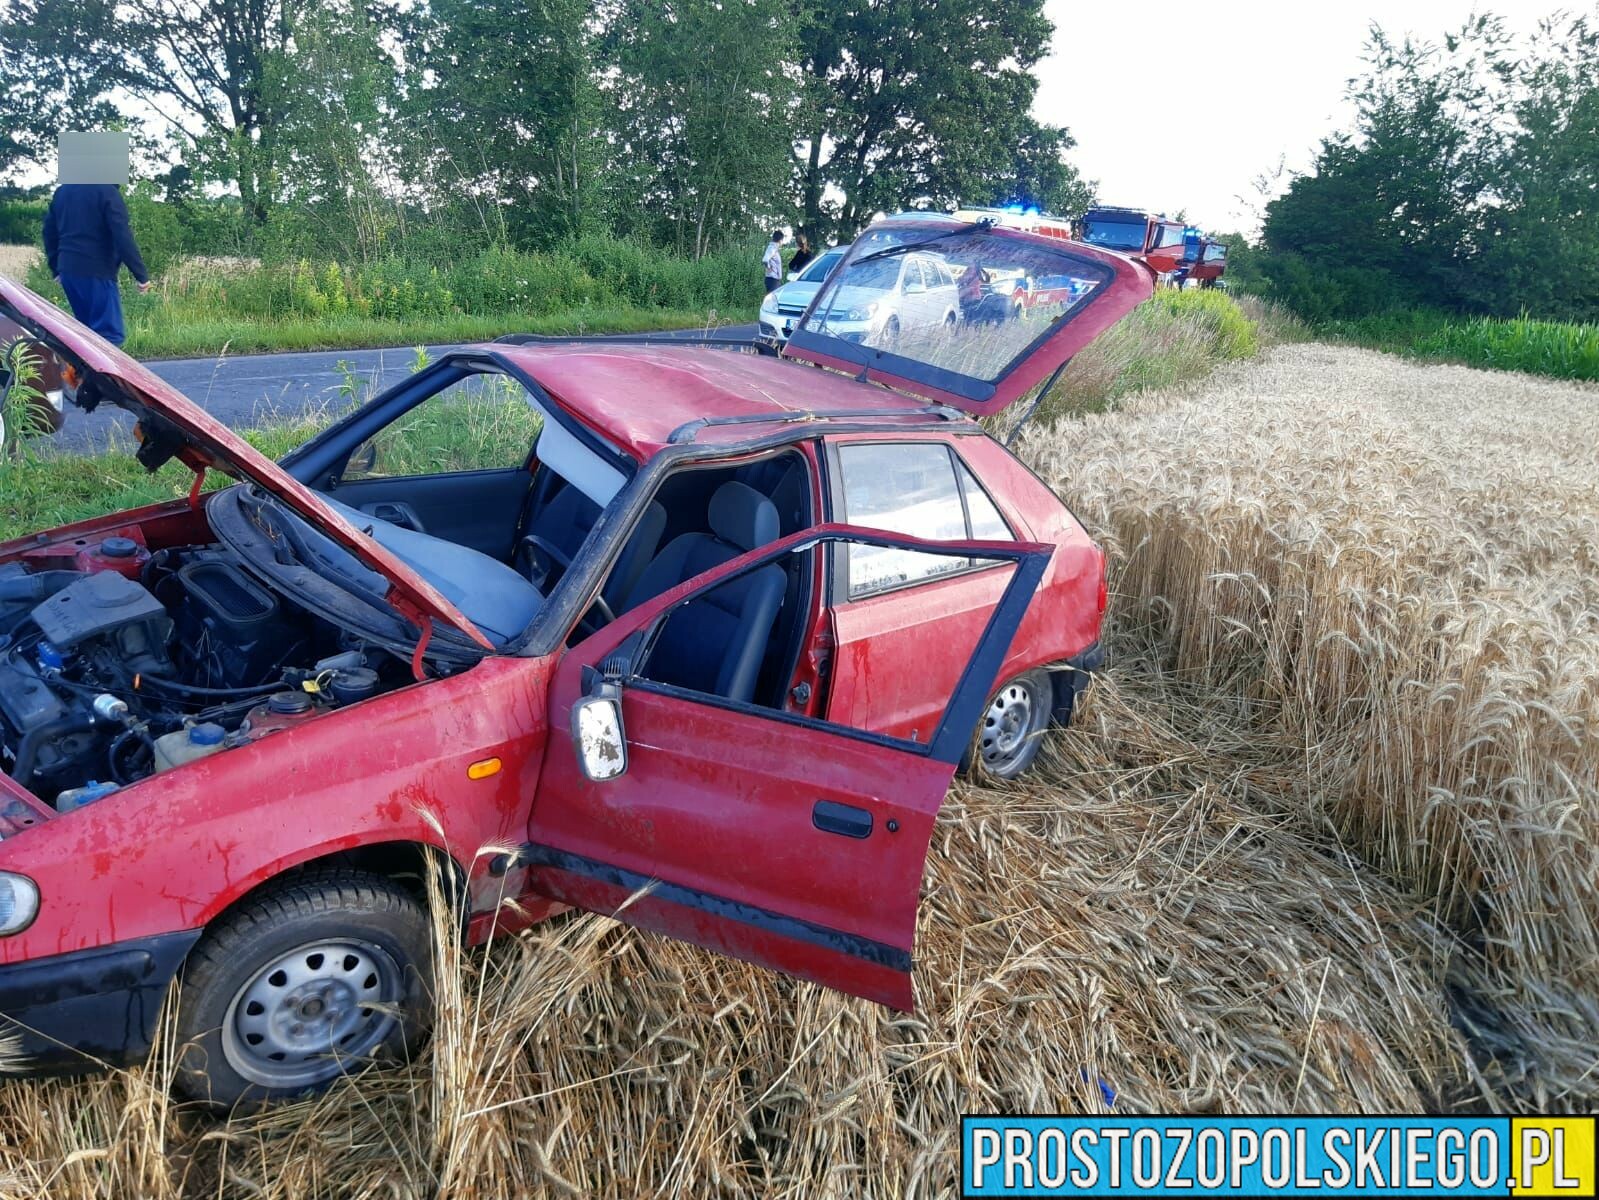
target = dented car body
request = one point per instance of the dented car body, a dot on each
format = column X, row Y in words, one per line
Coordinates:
column 700, row 643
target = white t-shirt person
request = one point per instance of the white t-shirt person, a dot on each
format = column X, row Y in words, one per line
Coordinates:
column 772, row 260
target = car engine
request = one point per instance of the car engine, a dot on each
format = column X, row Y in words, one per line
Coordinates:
column 129, row 663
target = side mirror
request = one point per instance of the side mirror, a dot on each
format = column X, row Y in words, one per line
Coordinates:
column 793, row 276
column 598, row 734
column 363, row 460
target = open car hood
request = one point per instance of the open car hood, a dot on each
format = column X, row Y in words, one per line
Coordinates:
column 928, row 304
column 170, row 425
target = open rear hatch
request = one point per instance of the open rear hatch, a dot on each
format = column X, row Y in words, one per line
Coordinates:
column 171, row 426
column 964, row 313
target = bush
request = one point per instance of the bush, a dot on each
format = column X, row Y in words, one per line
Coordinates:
column 22, row 222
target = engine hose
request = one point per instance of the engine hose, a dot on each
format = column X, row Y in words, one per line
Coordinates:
column 115, row 752
column 28, row 747
column 177, row 685
column 38, row 586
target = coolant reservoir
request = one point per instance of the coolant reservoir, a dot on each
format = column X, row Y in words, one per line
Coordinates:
column 186, row 745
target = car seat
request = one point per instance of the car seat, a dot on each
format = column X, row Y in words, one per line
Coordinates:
column 715, row 642
column 557, row 532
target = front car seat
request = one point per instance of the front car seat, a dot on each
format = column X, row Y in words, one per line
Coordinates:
column 715, row 643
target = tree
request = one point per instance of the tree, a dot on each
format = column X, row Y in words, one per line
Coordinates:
column 42, row 94
column 700, row 100
column 927, row 104
column 334, row 139
column 202, row 66
column 501, row 111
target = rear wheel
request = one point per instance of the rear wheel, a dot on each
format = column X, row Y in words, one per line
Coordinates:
column 1011, row 732
column 312, row 980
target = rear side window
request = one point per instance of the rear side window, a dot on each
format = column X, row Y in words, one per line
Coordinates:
column 916, row 488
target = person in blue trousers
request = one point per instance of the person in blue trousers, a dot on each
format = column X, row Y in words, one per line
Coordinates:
column 87, row 240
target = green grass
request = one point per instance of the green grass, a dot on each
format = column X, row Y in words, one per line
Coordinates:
column 1176, row 337
column 1563, row 350
column 587, row 285
column 187, row 334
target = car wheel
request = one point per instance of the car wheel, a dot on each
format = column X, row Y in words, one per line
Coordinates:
column 312, row 980
column 1011, row 732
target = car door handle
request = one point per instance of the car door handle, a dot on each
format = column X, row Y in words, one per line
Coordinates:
column 844, row 819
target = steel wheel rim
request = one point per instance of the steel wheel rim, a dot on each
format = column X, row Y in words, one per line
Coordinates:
column 298, row 1020
column 1009, row 727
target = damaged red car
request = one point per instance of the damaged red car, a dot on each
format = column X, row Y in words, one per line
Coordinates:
column 692, row 635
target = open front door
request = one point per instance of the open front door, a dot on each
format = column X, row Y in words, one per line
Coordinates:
column 778, row 839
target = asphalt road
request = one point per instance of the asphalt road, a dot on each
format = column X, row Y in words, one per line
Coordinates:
column 246, row 390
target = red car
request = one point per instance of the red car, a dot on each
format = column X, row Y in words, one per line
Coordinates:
column 703, row 652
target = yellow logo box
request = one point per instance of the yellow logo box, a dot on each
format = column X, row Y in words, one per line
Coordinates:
column 1552, row 1156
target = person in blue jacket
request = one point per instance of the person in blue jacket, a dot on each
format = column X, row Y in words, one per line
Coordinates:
column 87, row 240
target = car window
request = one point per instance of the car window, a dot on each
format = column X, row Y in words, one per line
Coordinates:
column 912, row 488
column 820, row 269
column 1169, row 235
column 1114, row 235
column 983, row 519
column 480, row 423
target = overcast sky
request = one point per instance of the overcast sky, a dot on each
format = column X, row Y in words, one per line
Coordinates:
column 1220, row 90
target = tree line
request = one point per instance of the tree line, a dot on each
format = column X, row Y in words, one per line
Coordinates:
column 355, row 127
column 1469, row 182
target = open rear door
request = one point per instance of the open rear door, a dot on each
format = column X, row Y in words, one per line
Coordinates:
column 774, row 838
column 964, row 313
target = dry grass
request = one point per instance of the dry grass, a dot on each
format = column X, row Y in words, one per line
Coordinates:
column 1394, row 570
column 1352, row 626
column 15, row 261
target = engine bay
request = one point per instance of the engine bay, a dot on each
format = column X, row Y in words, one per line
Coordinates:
column 118, row 662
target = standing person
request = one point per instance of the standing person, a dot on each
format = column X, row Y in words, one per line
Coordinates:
column 772, row 261
column 802, row 252
column 87, row 240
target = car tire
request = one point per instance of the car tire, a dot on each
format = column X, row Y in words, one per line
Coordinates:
column 1011, row 730
column 313, row 979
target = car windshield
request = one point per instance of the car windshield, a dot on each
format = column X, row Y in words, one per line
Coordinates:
column 1114, row 235
column 971, row 301
column 822, row 267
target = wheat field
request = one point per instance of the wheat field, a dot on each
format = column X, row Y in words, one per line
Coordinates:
column 1321, row 841
column 15, row 261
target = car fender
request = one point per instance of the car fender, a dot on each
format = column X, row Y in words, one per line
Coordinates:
column 174, row 850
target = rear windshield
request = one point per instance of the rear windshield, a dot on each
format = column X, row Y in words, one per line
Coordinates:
column 948, row 303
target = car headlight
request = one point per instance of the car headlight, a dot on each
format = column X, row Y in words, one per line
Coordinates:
column 19, row 903
column 769, row 305
column 863, row 312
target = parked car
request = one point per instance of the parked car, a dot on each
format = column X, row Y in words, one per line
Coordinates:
column 891, row 298
column 699, row 645
column 46, row 409
column 787, row 304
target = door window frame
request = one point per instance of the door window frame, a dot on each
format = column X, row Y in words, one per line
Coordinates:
column 838, row 590
column 949, row 741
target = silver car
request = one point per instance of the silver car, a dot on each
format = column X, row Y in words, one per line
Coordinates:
column 783, row 306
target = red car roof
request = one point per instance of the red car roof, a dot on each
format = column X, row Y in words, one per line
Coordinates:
column 637, row 395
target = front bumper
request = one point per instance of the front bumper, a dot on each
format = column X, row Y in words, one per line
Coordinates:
column 75, row 1012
